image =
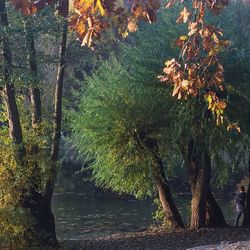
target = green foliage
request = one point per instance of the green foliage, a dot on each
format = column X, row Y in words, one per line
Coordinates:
column 16, row 228
column 159, row 214
column 117, row 113
column 122, row 105
column 16, row 181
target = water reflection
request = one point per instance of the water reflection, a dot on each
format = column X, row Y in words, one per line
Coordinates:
column 86, row 216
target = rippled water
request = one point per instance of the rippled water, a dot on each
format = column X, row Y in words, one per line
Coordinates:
column 87, row 216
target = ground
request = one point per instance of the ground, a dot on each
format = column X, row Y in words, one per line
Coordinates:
column 156, row 239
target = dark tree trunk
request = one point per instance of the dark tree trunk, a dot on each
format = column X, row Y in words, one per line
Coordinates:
column 46, row 216
column 172, row 216
column 246, row 219
column 35, row 99
column 215, row 217
column 8, row 91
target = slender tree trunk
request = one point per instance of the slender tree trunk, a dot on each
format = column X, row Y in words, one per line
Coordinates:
column 172, row 216
column 35, row 98
column 215, row 217
column 246, row 219
column 47, row 220
column 58, row 111
column 8, row 91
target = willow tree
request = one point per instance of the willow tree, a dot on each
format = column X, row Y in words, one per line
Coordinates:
column 121, row 128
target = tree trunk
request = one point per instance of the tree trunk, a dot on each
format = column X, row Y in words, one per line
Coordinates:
column 57, row 111
column 35, row 99
column 198, row 203
column 46, row 216
column 246, row 219
column 172, row 216
column 215, row 217
column 8, row 91
column 199, row 169
column 205, row 211
column 171, row 213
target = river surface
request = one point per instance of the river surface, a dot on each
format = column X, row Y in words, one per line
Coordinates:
column 88, row 216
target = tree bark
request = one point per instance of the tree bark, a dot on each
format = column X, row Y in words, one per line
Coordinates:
column 57, row 112
column 214, row 217
column 246, row 219
column 172, row 216
column 8, row 91
column 198, row 203
column 46, row 216
column 199, row 169
column 35, row 99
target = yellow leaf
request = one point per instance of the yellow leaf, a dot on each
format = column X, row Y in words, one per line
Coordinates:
column 100, row 7
column 183, row 38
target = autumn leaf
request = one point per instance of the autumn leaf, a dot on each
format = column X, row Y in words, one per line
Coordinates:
column 193, row 27
column 221, row 105
column 233, row 126
column 183, row 38
column 132, row 25
column 185, row 84
column 184, row 16
column 100, row 7
column 215, row 38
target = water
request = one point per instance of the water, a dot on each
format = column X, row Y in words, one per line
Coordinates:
column 81, row 216
column 88, row 216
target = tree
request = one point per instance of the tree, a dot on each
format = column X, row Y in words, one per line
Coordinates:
column 120, row 129
column 185, row 115
column 35, row 190
column 194, row 136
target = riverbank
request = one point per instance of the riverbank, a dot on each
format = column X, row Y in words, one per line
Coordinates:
column 159, row 239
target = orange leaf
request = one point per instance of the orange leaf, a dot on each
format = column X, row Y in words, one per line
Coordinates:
column 184, row 15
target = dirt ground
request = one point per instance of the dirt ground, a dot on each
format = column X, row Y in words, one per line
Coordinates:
column 156, row 239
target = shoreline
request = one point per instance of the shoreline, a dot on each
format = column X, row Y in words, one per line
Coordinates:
column 159, row 239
